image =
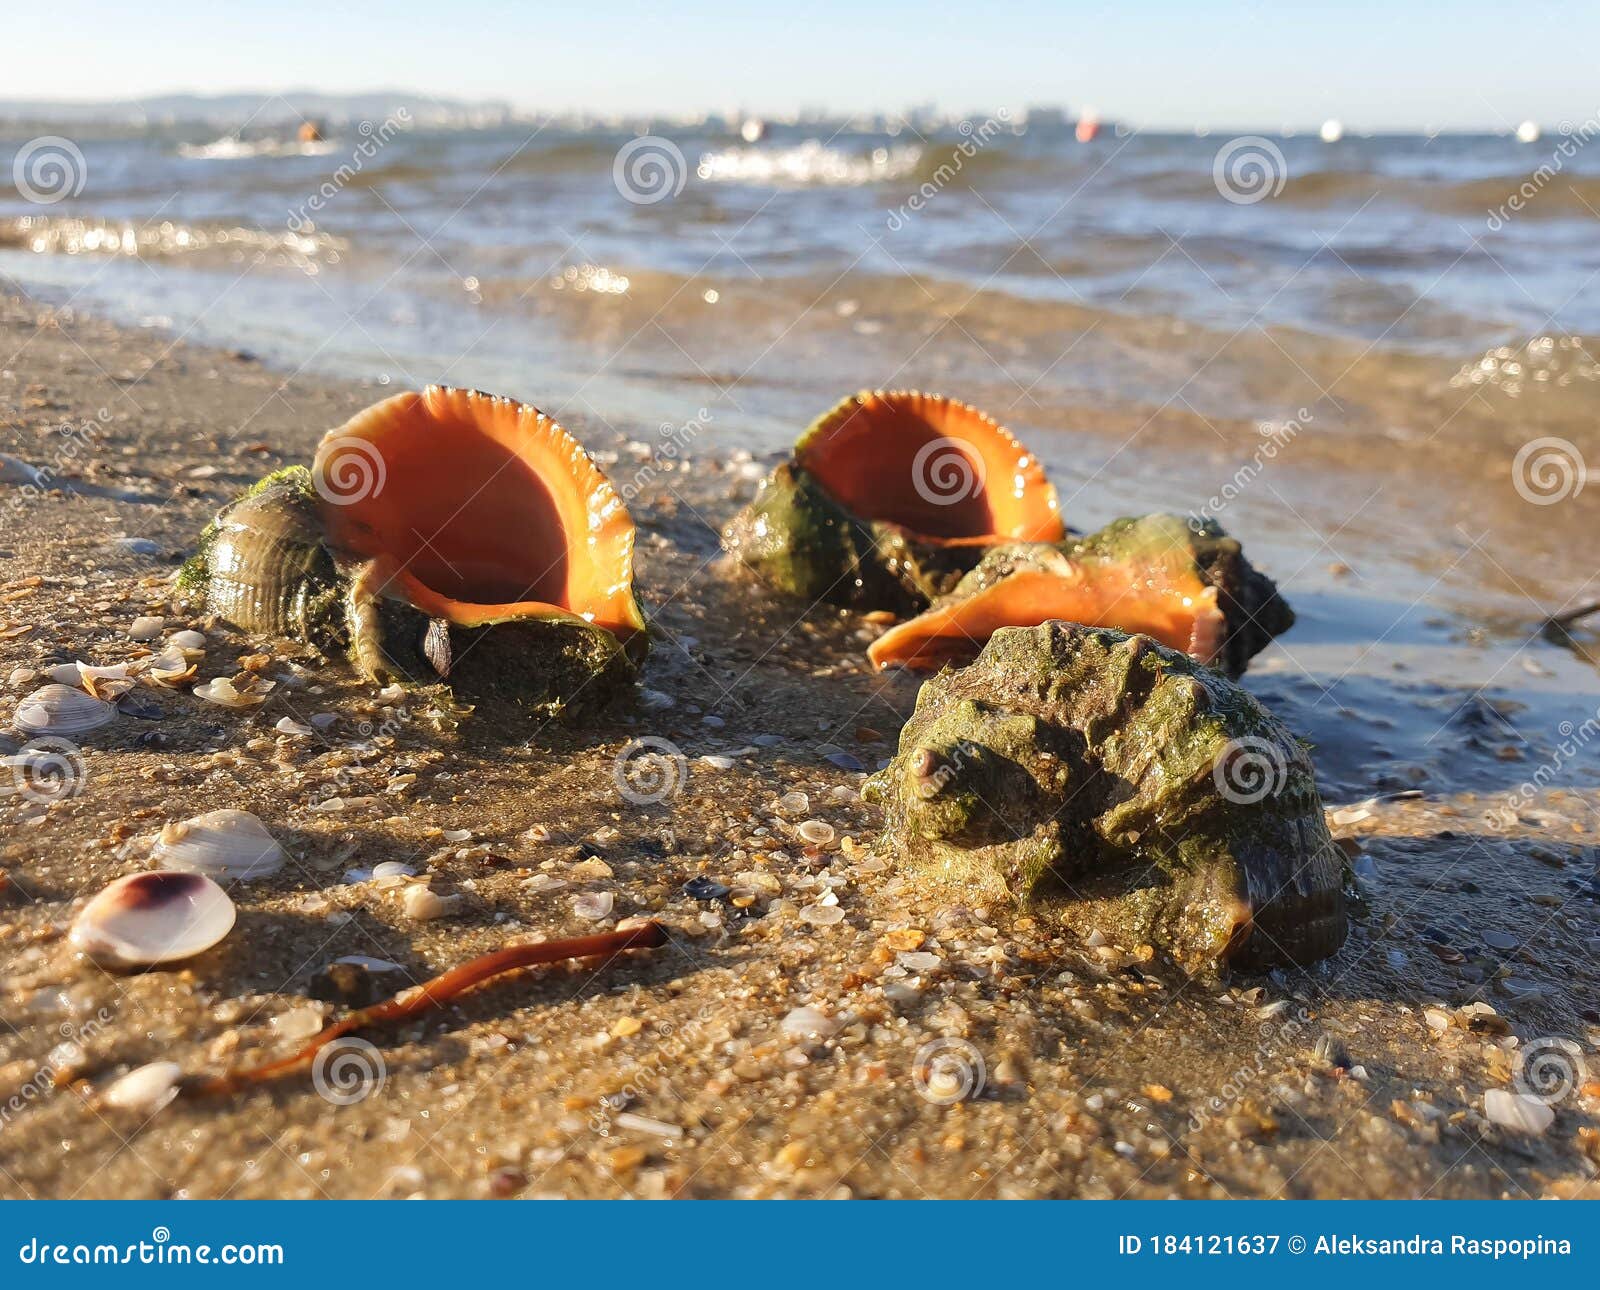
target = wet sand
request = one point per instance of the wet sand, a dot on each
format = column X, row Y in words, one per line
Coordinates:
column 922, row 1045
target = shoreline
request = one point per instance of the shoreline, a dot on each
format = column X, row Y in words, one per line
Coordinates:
column 784, row 1052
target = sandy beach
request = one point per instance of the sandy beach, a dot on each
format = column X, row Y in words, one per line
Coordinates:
column 842, row 1029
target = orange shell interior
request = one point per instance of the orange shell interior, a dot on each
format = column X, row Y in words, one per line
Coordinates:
column 1180, row 612
column 931, row 465
column 480, row 509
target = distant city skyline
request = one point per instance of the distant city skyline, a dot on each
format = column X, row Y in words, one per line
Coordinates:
column 1163, row 64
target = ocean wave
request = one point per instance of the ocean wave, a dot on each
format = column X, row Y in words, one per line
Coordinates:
column 67, row 235
column 810, row 163
column 1550, row 193
column 229, row 148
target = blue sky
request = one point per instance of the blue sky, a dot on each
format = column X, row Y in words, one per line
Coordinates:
column 1400, row 64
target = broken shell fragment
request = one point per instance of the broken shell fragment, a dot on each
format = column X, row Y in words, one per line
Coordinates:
column 888, row 499
column 172, row 667
column 62, row 710
column 226, row 694
column 593, row 905
column 1184, row 583
column 225, row 844
column 1126, row 788
column 424, row 904
column 147, row 919
column 86, row 676
column 144, row 1089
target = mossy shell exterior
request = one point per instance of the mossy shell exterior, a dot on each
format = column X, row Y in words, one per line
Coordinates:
column 812, row 541
column 1123, row 786
column 804, row 544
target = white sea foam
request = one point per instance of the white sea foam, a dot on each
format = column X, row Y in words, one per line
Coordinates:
column 811, row 162
column 229, row 148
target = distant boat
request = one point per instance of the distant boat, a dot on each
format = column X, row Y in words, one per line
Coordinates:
column 1332, row 130
column 1528, row 132
column 753, row 129
column 1088, row 127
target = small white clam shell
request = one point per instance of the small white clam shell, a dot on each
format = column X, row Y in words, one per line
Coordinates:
column 62, row 710
column 224, row 693
column 145, row 1089
column 150, row 918
column 170, row 667
column 220, row 844
column 424, row 905
column 189, row 641
column 80, row 673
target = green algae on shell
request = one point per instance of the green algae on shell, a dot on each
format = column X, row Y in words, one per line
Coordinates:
column 1123, row 786
column 1185, row 583
column 442, row 534
column 263, row 564
column 888, row 499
